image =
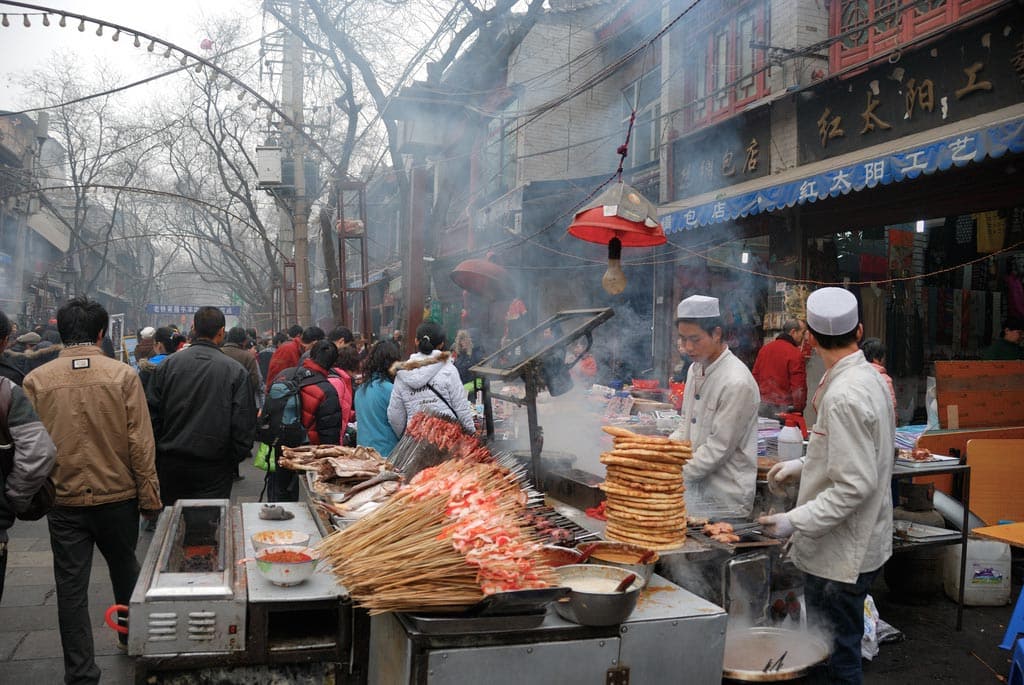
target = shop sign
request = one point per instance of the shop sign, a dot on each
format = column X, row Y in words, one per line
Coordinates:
column 229, row 310
column 722, row 155
column 965, row 74
column 956, row 150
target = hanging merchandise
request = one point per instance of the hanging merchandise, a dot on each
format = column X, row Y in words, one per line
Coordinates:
column 991, row 232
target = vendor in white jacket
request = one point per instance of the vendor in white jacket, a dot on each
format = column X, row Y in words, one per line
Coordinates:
column 719, row 416
column 428, row 381
column 841, row 527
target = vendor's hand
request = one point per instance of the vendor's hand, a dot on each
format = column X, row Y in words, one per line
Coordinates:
column 777, row 525
column 782, row 473
column 150, row 514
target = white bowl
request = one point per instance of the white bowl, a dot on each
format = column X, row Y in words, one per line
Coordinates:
column 285, row 573
column 277, row 538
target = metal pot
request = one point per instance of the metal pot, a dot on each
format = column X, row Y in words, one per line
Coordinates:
column 618, row 553
column 599, row 608
column 750, row 654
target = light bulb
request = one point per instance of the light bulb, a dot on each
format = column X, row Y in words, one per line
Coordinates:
column 184, row 60
column 5, row 22
column 199, row 67
column 167, row 52
column 137, row 43
column 25, row 22
column 63, row 21
column 46, row 20
column 614, row 280
column 919, row 226
column 151, row 46
column 744, row 257
column 99, row 30
column 81, row 25
column 117, row 36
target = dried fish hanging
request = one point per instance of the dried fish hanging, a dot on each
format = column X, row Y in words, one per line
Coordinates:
column 452, row 536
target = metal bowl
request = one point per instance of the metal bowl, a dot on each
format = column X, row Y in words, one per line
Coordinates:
column 597, row 608
column 278, row 538
column 286, row 573
column 559, row 556
column 618, row 553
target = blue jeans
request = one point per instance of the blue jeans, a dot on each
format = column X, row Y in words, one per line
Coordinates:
column 840, row 607
column 114, row 530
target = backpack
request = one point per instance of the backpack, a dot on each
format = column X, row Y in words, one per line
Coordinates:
column 280, row 421
column 46, row 496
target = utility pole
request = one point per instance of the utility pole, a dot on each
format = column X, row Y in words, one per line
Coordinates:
column 293, row 104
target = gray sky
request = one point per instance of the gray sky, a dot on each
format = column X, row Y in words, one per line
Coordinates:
column 181, row 22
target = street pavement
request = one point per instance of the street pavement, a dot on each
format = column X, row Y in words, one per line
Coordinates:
column 29, row 639
column 932, row 651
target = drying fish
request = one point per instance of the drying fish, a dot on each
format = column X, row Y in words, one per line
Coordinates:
column 377, row 493
column 381, row 477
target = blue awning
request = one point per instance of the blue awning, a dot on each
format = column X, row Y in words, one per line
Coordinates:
column 810, row 183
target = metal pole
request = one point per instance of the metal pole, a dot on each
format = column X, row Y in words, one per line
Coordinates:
column 293, row 55
column 413, row 277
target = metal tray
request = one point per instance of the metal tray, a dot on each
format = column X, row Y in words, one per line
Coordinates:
column 455, row 624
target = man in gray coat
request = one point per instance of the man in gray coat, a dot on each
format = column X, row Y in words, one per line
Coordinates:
column 841, row 527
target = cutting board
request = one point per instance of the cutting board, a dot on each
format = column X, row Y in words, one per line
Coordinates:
column 1011, row 533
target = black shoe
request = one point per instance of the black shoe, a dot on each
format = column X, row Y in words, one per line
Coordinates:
column 239, row 477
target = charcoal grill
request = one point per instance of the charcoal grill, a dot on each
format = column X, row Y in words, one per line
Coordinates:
column 189, row 597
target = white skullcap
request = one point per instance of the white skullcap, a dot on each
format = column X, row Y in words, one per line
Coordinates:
column 697, row 307
column 832, row 311
column 147, row 332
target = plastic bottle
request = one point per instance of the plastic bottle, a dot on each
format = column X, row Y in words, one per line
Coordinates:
column 791, row 438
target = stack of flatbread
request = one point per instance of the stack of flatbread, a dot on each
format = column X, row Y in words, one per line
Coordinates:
column 644, row 489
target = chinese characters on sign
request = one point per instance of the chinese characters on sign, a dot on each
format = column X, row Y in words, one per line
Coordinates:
column 229, row 310
column 952, row 151
column 722, row 155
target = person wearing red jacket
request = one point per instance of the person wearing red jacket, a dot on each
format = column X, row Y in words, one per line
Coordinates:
column 780, row 372
column 287, row 355
column 321, row 414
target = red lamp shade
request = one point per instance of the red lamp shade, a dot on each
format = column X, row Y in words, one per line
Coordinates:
column 484, row 278
column 619, row 212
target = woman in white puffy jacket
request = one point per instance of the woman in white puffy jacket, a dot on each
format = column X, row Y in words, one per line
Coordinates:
column 428, row 381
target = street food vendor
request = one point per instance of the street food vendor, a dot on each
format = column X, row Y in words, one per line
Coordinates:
column 719, row 416
column 841, row 527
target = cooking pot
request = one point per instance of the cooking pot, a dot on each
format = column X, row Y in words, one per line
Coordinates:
column 601, row 607
column 751, row 654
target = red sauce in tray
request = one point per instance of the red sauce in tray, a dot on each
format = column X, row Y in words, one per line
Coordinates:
column 285, row 557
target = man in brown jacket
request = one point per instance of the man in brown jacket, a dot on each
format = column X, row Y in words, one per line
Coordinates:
column 95, row 410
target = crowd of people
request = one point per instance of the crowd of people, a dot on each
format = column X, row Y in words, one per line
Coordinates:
column 121, row 443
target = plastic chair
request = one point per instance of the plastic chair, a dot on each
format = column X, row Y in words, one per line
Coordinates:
column 1017, row 664
column 1014, row 627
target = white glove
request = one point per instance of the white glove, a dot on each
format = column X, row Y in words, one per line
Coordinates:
column 782, row 473
column 777, row 525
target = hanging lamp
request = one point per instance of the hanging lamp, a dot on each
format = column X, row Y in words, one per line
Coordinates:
column 483, row 277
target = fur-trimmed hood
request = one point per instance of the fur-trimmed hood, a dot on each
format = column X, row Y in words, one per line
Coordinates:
column 420, row 369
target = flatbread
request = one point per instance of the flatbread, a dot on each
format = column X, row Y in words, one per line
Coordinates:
column 624, row 514
column 676, row 488
column 656, row 546
column 619, row 432
column 616, row 489
column 645, row 505
column 650, row 455
column 643, row 475
column 647, row 538
column 649, row 527
column 622, row 443
column 631, row 462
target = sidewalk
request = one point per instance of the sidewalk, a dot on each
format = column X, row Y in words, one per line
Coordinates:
column 29, row 640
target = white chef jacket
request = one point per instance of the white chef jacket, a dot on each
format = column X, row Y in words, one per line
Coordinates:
column 720, row 420
column 843, row 517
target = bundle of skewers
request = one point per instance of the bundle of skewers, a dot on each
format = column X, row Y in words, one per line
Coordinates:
column 455, row 534
column 430, row 439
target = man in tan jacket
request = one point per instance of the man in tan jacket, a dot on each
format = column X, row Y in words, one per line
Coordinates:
column 95, row 410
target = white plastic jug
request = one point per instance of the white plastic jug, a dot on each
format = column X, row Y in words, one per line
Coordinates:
column 987, row 578
column 791, row 442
